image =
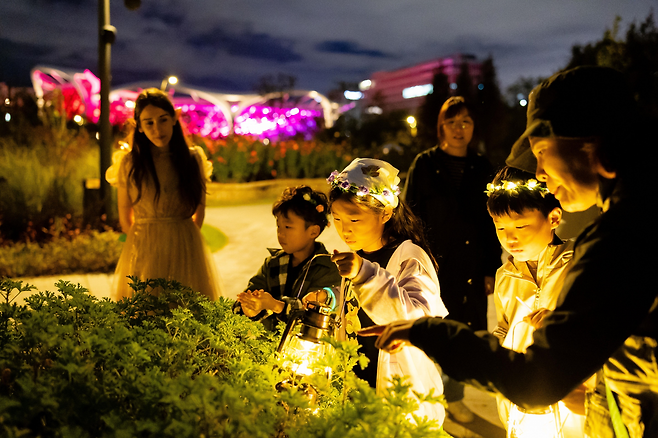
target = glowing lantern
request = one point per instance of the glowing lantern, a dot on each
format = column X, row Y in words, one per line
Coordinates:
column 536, row 423
column 301, row 344
column 304, row 349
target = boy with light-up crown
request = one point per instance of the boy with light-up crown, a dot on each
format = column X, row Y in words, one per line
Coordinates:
column 529, row 283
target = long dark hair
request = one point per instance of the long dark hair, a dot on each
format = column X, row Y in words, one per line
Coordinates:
column 403, row 224
column 191, row 183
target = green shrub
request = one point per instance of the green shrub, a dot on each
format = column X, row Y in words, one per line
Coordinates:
column 42, row 169
column 91, row 251
column 171, row 364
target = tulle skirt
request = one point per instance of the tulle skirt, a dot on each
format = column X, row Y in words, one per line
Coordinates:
column 170, row 248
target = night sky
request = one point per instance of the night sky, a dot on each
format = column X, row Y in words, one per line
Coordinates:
column 228, row 45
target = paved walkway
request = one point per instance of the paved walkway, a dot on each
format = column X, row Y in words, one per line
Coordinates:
column 251, row 230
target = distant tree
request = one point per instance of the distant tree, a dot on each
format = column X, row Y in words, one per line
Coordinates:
column 336, row 94
column 464, row 83
column 491, row 114
column 428, row 113
column 636, row 56
column 282, row 84
column 515, row 115
column 521, row 90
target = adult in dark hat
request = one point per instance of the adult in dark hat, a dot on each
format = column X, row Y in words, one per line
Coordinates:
column 586, row 139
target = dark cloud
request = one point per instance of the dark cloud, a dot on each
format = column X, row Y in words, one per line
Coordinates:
column 170, row 16
column 228, row 85
column 246, row 44
column 229, row 45
column 9, row 48
column 64, row 2
column 349, row 48
column 127, row 76
column 18, row 60
column 78, row 59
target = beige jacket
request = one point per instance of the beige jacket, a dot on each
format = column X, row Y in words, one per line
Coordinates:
column 514, row 279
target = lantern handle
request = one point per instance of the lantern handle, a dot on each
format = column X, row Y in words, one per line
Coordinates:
column 295, row 311
column 306, row 269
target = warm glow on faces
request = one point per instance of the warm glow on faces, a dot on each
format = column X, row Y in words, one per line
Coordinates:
column 457, row 133
column 359, row 226
column 294, row 237
column 525, row 235
column 567, row 168
column 157, row 124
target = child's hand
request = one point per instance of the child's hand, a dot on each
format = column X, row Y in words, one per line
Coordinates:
column 249, row 303
column 536, row 318
column 349, row 263
column 318, row 296
column 393, row 337
column 254, row 302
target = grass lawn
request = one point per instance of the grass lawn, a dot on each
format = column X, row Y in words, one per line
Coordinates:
column 214, row 237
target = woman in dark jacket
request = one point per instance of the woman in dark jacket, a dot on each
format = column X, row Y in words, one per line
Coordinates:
column 445, row 189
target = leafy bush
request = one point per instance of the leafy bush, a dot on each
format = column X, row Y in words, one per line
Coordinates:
column 172, row 364
column 88, row 251
column 42, row 169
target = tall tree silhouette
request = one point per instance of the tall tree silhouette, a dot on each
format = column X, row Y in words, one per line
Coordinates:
column 492, row 114
column 428, row 113
column 464, row 83
column 636, row 56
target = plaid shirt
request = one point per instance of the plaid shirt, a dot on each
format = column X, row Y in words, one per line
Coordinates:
column 273, row 275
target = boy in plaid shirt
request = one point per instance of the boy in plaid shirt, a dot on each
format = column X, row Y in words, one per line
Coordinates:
column 296, row 269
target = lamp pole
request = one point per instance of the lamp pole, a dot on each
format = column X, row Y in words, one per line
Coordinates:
column 106, row 36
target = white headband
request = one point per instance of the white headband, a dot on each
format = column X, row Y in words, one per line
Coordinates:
column 368, row 176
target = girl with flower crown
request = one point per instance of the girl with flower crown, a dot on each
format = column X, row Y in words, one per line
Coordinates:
column 392, row 272
column 162, row 195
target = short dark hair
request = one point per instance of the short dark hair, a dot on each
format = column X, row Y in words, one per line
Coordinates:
column 452, row 107
column 309, row 204
column 503, row 202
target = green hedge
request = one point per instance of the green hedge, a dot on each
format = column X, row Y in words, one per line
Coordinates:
column 91, row 251
column 42, row 170
column 172, row 365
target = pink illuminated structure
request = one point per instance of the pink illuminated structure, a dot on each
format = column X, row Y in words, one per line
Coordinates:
column 205, row 113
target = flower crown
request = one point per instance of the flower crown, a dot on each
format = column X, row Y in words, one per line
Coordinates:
column 385, row 195
column 514, row 188
column 318, row 207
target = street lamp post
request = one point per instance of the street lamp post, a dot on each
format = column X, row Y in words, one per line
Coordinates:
column 106, row 37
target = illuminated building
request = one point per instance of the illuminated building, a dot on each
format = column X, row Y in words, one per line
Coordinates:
column 406, row 88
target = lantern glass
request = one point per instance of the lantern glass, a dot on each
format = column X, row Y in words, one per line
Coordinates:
column 537, row 423
column 303, row 357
